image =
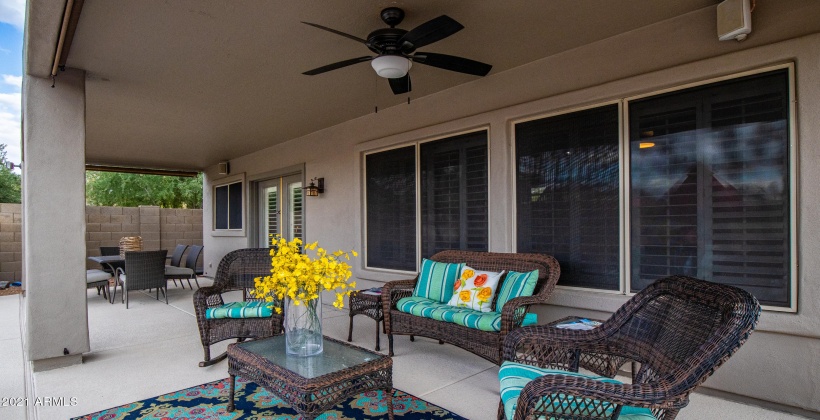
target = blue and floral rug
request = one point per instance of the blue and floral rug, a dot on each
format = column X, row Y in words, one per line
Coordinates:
column 209, row 402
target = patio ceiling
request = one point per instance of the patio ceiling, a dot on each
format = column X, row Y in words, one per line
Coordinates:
column 185, row 84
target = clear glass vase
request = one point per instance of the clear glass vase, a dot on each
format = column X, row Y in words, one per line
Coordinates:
column 303, row 327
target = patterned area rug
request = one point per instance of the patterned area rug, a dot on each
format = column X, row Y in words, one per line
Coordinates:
column 11, row 290
column 209, row 401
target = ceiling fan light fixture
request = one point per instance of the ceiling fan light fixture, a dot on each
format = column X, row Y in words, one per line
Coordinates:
column 391, row 66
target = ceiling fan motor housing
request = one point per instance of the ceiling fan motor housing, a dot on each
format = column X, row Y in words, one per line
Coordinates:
column 392, row 16
column 385, row 41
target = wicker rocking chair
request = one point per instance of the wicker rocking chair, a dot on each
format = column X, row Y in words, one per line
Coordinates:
column 676, row 332
column 236, row 271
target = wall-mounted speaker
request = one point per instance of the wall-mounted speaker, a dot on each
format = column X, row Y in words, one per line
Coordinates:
column 224, row 168
column 734, row 20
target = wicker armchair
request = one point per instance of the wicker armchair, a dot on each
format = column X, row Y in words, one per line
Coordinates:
column 482, row 343
column 236, row 271
column 676, row 332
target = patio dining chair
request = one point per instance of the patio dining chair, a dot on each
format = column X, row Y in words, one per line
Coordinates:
column 240, row 320
column 173, row 270
column 189, row 271
column 676, row 332
column 145, row 270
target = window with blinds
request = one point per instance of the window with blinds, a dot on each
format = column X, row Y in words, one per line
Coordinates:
column 296, row 217
column 567, row 194
column 272, row 211
column 710, row 186
column 390, row 179
column 228, row 206
column 454, row 194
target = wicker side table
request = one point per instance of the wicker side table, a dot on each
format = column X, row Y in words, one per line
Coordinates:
column 601, row 364
column 314, row 384
column 368, row 304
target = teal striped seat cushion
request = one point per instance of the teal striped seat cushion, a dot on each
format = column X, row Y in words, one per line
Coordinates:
column 252, row 309
column 428, row 308
column 514, row 376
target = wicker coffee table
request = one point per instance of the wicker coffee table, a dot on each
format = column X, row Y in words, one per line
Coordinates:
column 368, row 304
column 311, row 385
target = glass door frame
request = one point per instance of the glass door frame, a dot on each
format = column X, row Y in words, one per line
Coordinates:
column 254, row 183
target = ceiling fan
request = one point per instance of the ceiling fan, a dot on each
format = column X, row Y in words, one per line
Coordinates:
column 396, row 50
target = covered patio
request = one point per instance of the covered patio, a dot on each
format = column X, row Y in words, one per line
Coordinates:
column 624, row 138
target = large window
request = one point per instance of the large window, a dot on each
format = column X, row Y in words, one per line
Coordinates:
column 708, row 182
column 452, row 176
column 228, row 206
column 391, row 209
column 710, row 185
column 454, row 194
column 567, row 194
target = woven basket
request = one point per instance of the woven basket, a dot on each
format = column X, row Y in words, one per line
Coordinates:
column 130, row 243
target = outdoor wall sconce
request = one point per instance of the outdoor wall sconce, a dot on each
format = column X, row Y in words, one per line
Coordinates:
column 313, row 190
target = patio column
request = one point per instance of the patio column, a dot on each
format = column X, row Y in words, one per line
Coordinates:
column 56, row 316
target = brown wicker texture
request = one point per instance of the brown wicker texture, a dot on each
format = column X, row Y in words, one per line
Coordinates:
column 236, row 271
column 311, row 397
column 678, row 330
column 130, row 243
column 602, row 364
column 366, row 304
column 482, row 343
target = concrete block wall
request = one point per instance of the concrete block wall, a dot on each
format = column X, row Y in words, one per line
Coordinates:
column 159, row 228
column 179, row 226
column 11, row 242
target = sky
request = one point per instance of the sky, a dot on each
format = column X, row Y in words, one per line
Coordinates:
column 12, row 17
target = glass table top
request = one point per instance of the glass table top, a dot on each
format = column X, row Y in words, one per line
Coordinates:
column 335, row 357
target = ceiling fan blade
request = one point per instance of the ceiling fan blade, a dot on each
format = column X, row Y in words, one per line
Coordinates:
column 338, row 65
column 429, row 32
column 400, row 85
column 353, row 37
column 453, row 63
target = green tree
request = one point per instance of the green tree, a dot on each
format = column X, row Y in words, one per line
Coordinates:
column 131, row 190
column 9, row 181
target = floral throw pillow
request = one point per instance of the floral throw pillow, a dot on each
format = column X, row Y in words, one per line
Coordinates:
column 475, row 289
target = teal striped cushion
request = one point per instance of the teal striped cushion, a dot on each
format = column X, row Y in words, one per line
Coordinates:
column 436, row 280
column 514, row 376
column 516, row 285
column 252, row 309
column 484, row 321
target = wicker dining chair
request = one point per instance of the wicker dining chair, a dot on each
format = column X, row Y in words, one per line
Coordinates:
column 236, row 271
column 145, row 270
column 676, row 331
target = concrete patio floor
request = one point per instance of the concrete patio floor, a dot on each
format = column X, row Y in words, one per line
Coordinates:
column 153, row 348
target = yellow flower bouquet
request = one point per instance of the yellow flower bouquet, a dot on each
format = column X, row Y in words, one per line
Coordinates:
column 298, row 279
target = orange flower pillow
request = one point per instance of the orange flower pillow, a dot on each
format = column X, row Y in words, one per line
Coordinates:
column 475, row 289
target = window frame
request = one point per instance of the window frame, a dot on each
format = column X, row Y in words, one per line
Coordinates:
column 794, row 163
column 416, row 144
column 513, row 162
column 625, row 180
column 226, row 182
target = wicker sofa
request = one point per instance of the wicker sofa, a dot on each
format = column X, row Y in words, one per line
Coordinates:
column 486, row 344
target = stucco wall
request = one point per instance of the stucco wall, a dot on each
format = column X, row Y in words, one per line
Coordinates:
column 781, row 361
